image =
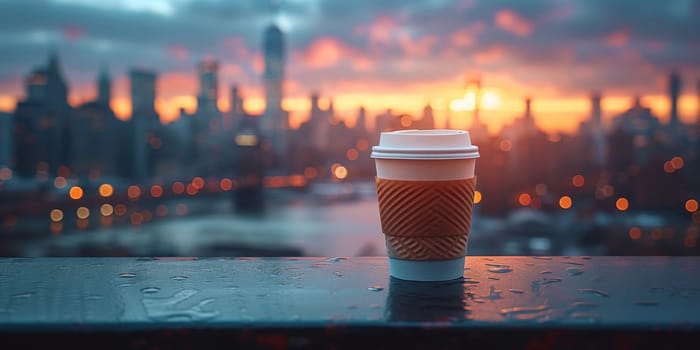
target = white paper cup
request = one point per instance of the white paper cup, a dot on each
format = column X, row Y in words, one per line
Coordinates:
column 436, row 157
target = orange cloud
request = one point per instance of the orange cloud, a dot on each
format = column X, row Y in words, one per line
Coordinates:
column 178, row 52
column 489, row 55
column 380, row 31
column 324, row 52
column 462, row 38
column 618, row 38
column 512, row 22
column 417, row 47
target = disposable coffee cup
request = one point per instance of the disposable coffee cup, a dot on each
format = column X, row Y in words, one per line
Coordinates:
column 425, row 189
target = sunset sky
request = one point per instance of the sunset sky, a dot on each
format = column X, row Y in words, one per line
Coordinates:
column 381, row 54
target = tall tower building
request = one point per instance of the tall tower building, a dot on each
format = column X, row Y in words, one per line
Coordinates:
column 5, row 140
column 596, row 110
column 361, row 122
column 41, row 120
column 674, row 91
column 208, row 85
column 143, row 120
column 274, row 122
column 104, row 87
column 143, row 94
column 428, row 119
column 698, row 101
column 596, row 133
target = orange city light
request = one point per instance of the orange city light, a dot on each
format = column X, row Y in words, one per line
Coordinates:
column 622, row 204
column 75, row 192
column 156, row 191
column 578, row 181
column 106, row 190
column 56, row 215
column 565, row 202
column 477, row 197
column 677, row 163
column 198, row 183
column 178, row 187
column 134, row 192
column 340, row 172
column 226, row 184
column 691, row 205
column 524, row 199
column 635, row 233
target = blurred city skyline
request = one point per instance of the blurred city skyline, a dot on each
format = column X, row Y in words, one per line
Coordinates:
column 389, row 55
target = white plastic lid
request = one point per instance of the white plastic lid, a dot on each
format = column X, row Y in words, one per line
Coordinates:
column 425, row 144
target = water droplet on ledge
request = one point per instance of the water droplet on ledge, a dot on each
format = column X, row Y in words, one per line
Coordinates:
column 179, row 278
column 497, row 265
column 525, row 312
column 598, row 292
column 584, row 305
column 500, row 270
column 335, row 259
column 150, row 290
column 127, row 275
column 375, row 288
column 574, row 271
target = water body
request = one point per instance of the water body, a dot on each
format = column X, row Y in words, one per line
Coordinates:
column 293, row 224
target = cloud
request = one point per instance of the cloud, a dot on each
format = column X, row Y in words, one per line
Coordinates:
column 512, row 22
column 570, row 46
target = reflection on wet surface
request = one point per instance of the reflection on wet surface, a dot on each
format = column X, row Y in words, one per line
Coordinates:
column 349, row 290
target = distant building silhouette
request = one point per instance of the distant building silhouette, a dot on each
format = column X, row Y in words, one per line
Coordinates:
column 274, row 124
column 6, row 139
column 40, row 121
column 95, row 134
column 592, row 135
column 104, row 88
column 674, row 87
column 236, row 111
column 143, row 120
column 427, row 121
column 639, row 123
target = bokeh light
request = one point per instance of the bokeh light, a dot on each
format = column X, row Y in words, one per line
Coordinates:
column 75, row 192
column 565, row 202
column 106, row 190
column 524, row 199
column 691, row 205
column 477, row 197
column 56, row 215
column 578, row 181
column 622, row 204
column 82, row 213
column 106, row 209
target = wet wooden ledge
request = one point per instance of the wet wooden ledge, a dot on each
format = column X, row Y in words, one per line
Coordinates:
column 546, row 302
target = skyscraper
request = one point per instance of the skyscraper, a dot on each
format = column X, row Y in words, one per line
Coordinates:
column 5, row 140
column 143, row 94
column 208, row 85
column 143, row 120
column 596, row 133
column 94, row 134
column 674, row 83
column 274, row 124
column 40, row 121
column 104, row 87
